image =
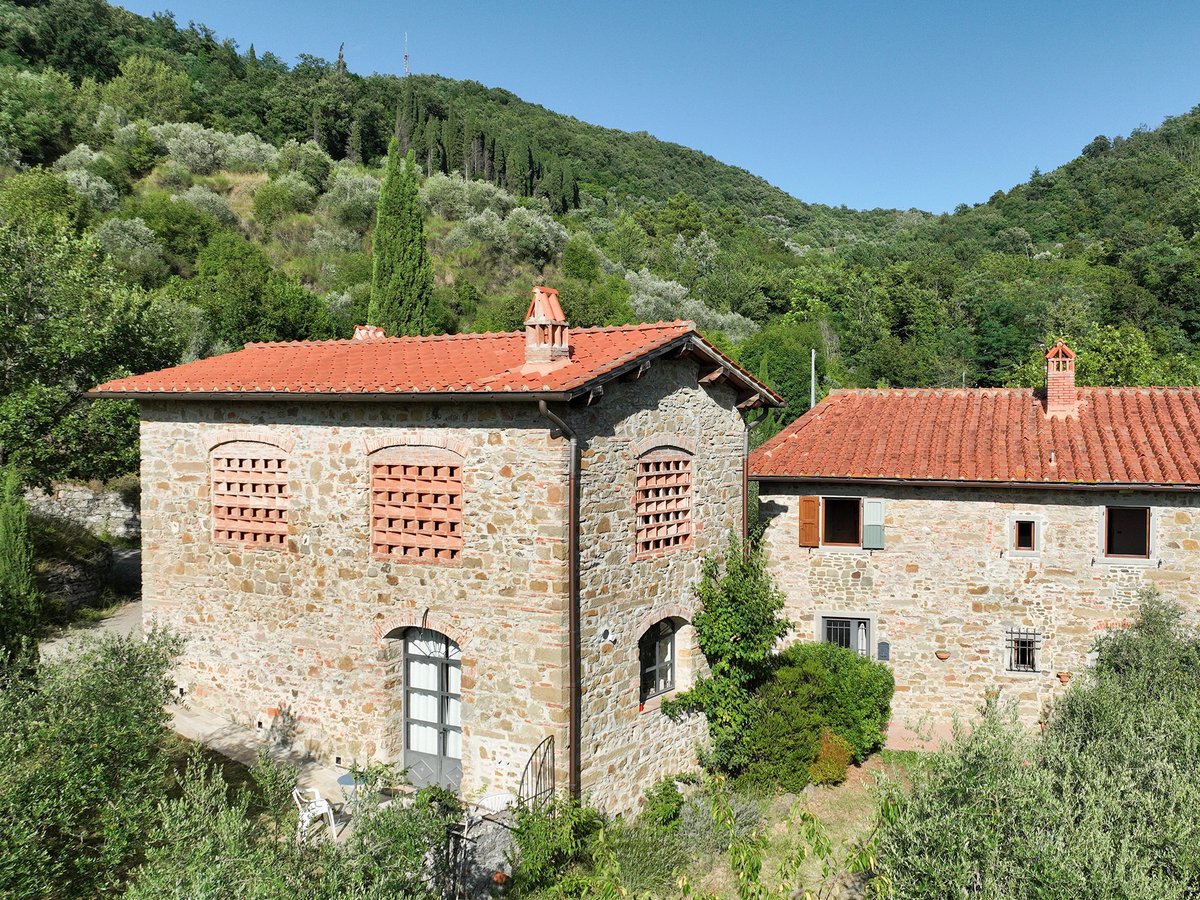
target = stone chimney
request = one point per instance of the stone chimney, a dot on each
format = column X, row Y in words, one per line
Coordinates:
column 1061, row 397
column 368, row 332
column 546, row 333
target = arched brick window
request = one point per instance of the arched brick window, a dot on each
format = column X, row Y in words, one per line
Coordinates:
column 657, row 663
column 416, row 504
column 250, row 494
column 663, row 501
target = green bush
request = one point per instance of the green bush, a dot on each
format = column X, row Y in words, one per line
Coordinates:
column 282, row 196
column 663, row 805
column 814, row 688
column 833, row 759
column 548, row 840
column 1102, row 804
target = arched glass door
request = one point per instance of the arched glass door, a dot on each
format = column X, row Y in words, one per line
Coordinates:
column 432, row 709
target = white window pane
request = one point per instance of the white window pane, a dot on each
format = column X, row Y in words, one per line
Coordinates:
column 862, row 639
column 425, row 643
column 455, row 680
column 454, row 745
column 666, row 649
column 453, row 711
column 423, row 739
column 455, row 652
column 423, row 707
column 423, row 675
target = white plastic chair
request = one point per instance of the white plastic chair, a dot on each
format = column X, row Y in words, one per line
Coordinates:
column 495, row 803
column 312, row 806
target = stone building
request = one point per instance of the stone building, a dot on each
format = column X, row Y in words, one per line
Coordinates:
column 979, row 540
column 442, row 551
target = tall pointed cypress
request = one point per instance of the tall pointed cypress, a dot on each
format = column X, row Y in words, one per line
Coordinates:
column 401, row 276
column 18, row 595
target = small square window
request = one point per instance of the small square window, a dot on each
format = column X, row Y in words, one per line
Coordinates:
column 1023, row 646
column 1127, row 531
column 1026, row 535
column 843, row 522
column 853, row 634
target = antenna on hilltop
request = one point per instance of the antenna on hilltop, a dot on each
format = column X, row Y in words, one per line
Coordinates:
column 406, row 54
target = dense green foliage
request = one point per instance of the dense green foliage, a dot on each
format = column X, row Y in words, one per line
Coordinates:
column 1102, row 804
column 401, row 278
column 817, row 697
column 737, row 626
column 85, row 767
column 19, row 603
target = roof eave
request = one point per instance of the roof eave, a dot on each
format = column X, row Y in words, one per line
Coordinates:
column 953, row 482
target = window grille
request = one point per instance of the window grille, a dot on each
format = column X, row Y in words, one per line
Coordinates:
column 853, row 634
column 663, row 502
column 656, row 653
column 1023, row 646
column 250, row 499
column 416, row 511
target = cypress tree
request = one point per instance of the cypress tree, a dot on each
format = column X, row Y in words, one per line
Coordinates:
column 401, row 276
column 18, row 594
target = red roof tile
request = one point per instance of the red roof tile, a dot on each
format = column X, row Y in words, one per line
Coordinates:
column 1124, row 435
column 440, row 364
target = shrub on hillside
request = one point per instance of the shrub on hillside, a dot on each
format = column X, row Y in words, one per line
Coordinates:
column 307, row 160
column 201, row 150
column 351, row 200
column 1101, row 804
column 210, row 202
column 249, row 153
column 133, row 248
column 280, row 197
column 535, row 236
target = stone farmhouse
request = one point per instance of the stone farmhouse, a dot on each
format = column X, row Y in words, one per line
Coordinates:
column 449, row 552
column 979, row 540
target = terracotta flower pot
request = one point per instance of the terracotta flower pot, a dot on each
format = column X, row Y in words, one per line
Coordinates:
column 1064, row 677
column 943, row 655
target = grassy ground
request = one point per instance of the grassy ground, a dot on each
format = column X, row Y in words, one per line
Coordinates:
column 847, row 812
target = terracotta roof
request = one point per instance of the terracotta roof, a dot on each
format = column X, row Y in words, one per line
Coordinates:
column 477, row 364
column 1125, row 435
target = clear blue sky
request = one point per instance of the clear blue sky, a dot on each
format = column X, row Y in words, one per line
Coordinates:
column 919, row 104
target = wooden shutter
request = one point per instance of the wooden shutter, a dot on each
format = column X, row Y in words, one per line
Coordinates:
column 810, row 521
column 872, row 524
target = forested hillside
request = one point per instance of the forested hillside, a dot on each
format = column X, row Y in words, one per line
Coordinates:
column 166, row 194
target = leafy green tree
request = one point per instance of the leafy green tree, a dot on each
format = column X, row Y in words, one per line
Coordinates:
column 580, row 261
column 36, row 113
column 737, row 627
column 590, row 305
column 402, row 278
column 149, row 89
column 19, row 604
column 782, row 353
column 87, row 767
column 183, row 229
column 41, row 199
column 68, row 323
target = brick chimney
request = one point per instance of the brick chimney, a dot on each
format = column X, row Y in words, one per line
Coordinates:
column 546, row 333
column 368, row 332
column 1061, row 397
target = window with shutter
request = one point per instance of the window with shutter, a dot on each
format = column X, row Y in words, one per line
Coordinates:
column 810, row 521
column 872, row 524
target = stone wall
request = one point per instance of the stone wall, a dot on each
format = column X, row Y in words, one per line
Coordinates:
column 306, row 628
column 627, row 748
column 949, row 581
column 101, row 510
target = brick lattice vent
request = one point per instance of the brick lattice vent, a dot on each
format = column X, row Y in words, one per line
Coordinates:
column 250, row 499
column 416, row 511
column 663, row 502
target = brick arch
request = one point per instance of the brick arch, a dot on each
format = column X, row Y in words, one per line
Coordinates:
column 284, row 442
column 667, row 611
column 658, row 439
column 426, row 437
column 416, row 618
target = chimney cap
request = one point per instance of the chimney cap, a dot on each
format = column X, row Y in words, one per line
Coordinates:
column 544, row 307
column 368, row 333
column 1060, row 350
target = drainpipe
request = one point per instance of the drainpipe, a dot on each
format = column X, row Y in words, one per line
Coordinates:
column 574, row 665
column 750, row 425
